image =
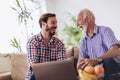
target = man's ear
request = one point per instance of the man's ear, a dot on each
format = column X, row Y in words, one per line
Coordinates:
column 43, row 23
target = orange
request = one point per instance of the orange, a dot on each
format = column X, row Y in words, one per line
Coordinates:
column 89, row 69
column 98, row 69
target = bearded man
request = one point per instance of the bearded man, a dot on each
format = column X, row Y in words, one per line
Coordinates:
column 44, row 46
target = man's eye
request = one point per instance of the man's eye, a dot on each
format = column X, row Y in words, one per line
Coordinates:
column 52, row 22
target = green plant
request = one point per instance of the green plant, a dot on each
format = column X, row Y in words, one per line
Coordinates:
column 24, row 15
column 16, row 44
column 72, row 34
column 23, row 12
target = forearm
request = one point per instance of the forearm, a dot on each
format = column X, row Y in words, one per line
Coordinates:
column 111, row 53
column 62, row 53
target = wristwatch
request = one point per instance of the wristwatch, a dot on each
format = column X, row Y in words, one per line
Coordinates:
column 99, row 60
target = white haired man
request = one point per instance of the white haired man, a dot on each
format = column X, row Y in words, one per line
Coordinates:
column 98, row 46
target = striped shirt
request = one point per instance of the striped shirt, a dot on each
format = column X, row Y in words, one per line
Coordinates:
column 98, row 44
column 38, row 52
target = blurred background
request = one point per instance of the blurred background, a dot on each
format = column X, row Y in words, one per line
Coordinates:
column 19, row 20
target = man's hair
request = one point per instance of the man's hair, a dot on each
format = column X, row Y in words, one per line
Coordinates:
column 87, row 12
column 44, row 18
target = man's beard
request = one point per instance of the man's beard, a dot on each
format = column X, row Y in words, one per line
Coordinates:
column 49, row 30
column 84, row 28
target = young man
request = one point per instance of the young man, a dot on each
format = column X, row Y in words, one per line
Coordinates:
column 98, row 46
column 44, row 46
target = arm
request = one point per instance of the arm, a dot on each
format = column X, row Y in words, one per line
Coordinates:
column 82, row 55
column 111, row 53
column 111, row 43
column 32, row 52
column 83, row 48
column 61, row 52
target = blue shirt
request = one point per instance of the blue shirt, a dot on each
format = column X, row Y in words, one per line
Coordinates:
column 91, row 47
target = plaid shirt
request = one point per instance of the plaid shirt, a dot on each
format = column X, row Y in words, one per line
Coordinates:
column 38, row 52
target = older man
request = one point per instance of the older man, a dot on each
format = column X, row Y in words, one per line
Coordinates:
column 98, row 46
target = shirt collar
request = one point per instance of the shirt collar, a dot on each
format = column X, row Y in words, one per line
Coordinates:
column 41, row 38
column 94, row 32
column 95, row 29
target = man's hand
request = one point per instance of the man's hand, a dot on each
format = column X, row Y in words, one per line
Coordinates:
column 82, row 63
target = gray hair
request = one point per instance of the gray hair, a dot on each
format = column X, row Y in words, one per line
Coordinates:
column 87, row 12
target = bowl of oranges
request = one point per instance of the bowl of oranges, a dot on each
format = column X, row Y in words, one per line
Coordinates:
column 91, row 73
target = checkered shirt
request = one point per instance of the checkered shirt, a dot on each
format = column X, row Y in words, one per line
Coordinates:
column 38, row 52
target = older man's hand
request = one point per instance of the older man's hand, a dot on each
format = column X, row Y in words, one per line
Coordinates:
column 82, row 63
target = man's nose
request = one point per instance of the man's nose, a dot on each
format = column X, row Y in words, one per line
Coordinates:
column 55, row 25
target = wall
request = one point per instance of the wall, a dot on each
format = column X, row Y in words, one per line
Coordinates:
column 106, row 11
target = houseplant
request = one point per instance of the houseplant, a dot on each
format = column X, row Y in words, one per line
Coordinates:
column 24, row 16
column 72, row 34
